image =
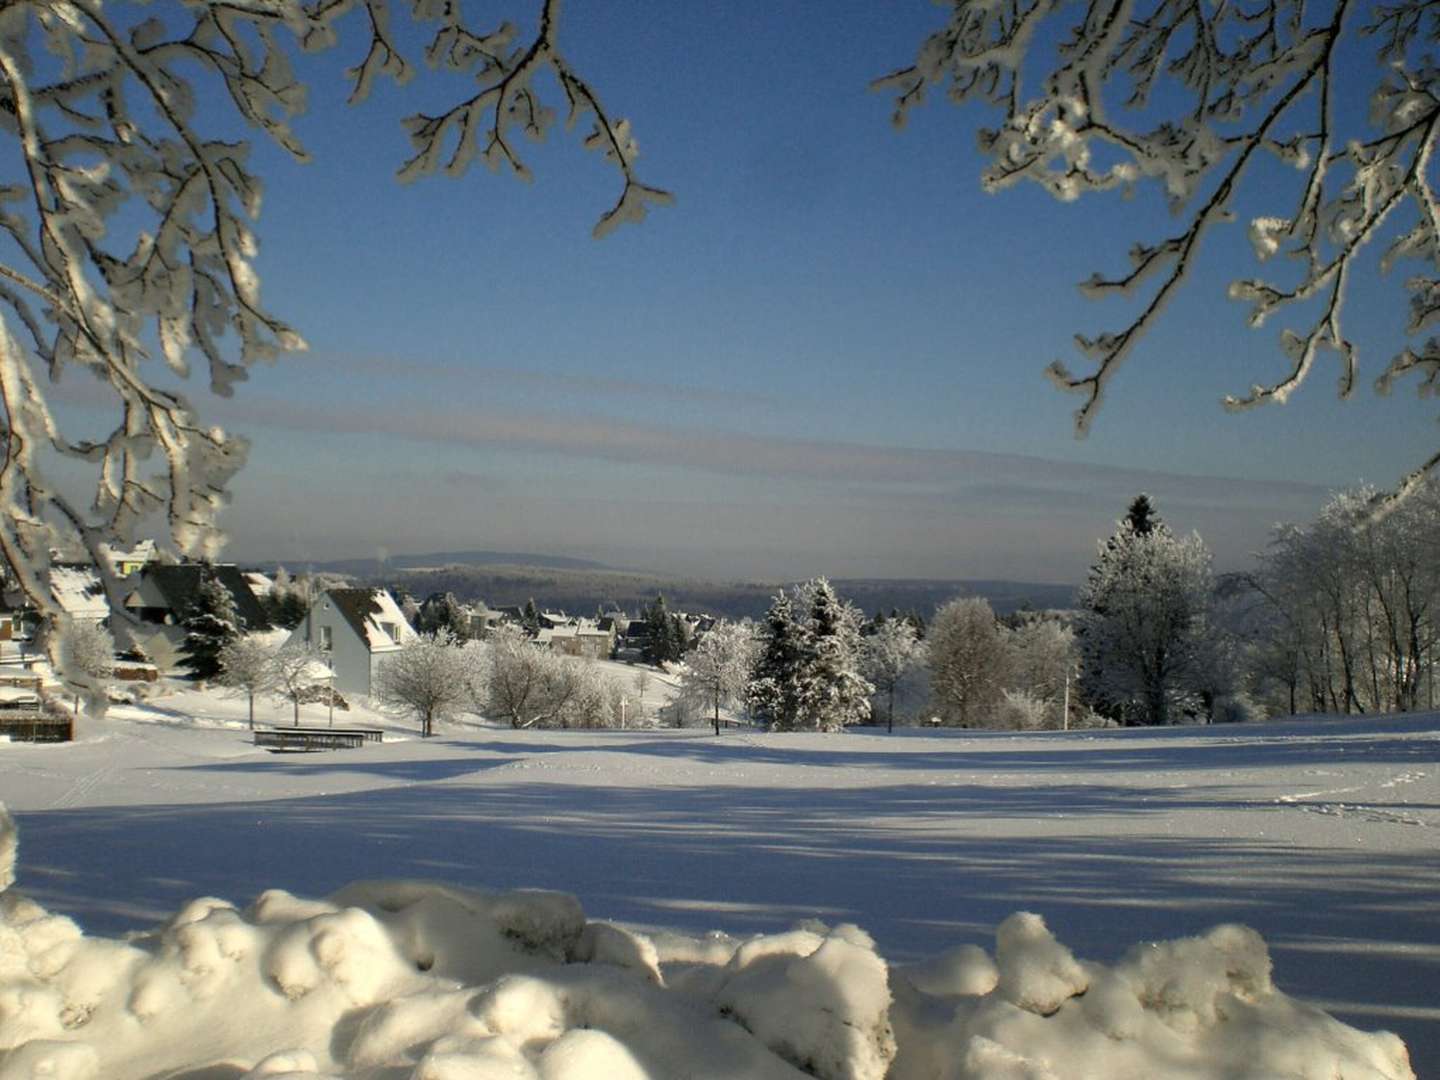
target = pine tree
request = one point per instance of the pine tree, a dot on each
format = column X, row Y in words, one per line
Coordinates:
column 831, row 692
column 1142, row 631
column 211, row 623
column 1141, row 516
column 531, row 618
column 660, row 636
column 772, row 692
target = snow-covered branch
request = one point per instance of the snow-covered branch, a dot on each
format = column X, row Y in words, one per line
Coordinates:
column 129, row 224
column 1113, row 93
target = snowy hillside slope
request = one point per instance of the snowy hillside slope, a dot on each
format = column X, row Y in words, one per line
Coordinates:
column 1317, row 834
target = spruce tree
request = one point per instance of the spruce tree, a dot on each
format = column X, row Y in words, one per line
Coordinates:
column 772, row 692
column 831, row 692
column 531, row 618
column 1143, row 623
column 211, row 623
column 660, row 636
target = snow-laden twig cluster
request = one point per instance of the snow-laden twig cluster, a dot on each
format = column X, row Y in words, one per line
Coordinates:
column 1112, row 93
column 130, row 222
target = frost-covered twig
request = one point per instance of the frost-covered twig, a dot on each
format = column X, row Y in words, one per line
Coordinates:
column 109, row 122
column 1236, row 79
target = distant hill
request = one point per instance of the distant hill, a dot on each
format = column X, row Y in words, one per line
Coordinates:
column 443, row 559
column 581, row 586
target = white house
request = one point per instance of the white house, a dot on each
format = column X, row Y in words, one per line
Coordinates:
column 355, row 629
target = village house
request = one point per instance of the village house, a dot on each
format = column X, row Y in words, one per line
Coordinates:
column 159, row 598
column 355, row 629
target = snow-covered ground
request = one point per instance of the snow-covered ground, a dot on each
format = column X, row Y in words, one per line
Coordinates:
column 1319, row 834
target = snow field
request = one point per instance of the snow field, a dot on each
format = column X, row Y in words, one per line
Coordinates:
column 1316, row 833
column 433, row 982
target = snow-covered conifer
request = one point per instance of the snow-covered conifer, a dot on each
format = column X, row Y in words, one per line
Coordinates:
column 211, row 623
column 772, row 692
column 831, row 692
column 1142, row 628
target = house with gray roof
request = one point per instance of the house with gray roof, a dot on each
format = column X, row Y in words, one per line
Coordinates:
column 355, row 629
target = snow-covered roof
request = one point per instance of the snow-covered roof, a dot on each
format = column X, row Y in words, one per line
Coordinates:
column 369, row 612
column 143, row 552
column 78, row 592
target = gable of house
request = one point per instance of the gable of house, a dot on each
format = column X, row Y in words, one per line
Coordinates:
column 165, row 594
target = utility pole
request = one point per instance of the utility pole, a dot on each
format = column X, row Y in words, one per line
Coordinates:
column 1065, row 713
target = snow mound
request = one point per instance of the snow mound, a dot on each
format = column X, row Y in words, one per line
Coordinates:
column 409, row 980
column 1200, row 1008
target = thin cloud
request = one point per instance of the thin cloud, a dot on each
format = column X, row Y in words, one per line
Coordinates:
column 583, row 385
column 908, row 471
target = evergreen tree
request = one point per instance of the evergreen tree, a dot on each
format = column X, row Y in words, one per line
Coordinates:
column 211, row 623
column 772, row 693
column 660, row 633
column 530, row 620
column 1141, row 516
column 831, row 692
column 1142, row 630
column 680, row 641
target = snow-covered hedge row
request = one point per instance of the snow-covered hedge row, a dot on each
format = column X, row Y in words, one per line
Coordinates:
column 416, row 980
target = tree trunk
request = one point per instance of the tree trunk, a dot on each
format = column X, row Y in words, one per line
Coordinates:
column 252, row 712
column 890, row 710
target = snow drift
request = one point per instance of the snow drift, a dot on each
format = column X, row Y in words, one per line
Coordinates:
column 408, row 980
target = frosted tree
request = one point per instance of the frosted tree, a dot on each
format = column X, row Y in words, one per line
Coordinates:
column 129, row 214
column 247, row 665
column 530, row 686
column 1356, row 605
column 211, row 623
column 294, row 668
column 1043, row 657
column 718, row 668
column 1106, row 95
column 1142, row 628
column 970, row 659
column 428, row 678
column 888, row 655
column 831, row 692
column 87, row 658
column 772, row 692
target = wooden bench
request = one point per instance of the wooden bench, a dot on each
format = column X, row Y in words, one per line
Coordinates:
column 33, row 725
column 309, row 738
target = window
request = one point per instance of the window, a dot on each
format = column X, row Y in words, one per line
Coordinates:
column 393, row 629
column 326, row 642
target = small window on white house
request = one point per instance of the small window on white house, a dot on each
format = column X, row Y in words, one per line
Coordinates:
column 393, row 629
column 326, row 643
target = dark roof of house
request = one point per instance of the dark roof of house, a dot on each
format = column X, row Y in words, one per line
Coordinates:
column 180, row 585
column 356, row 605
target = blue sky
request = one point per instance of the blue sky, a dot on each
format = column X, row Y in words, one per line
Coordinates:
column 826, row 358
